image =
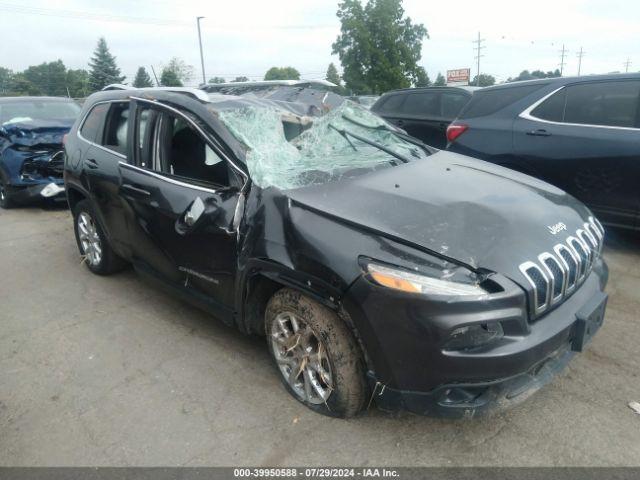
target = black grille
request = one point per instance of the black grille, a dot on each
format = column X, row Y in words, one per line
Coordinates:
column 564, row 268
column 558, row 275
column 573, row 266
column 540, row 283
column 55, row 166
column 579, row 249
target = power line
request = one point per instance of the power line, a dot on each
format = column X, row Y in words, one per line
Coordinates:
column 580, row 55
column 562, row 62
column 478, row 50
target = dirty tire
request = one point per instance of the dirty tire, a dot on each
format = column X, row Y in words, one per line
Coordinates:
column 109, row 262
column 349, row 388
column 5, row 196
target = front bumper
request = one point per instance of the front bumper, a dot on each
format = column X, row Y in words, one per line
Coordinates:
column 52, row 189
column 402, row 336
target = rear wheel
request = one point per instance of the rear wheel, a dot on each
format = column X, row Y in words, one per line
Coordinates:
column 316, row 354
column 92, row 242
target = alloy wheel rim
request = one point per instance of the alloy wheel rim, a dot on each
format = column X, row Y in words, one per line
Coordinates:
column 89, row 239
column 302, row 358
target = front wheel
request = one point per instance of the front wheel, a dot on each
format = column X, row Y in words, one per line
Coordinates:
column 93, row 243
column 316, row 354
column 5, row 195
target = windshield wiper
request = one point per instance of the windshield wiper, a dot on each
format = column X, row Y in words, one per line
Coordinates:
column 345, row 132
column 344, row 135
column 388, row 128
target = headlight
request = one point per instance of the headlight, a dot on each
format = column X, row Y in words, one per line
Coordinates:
column 409, row 282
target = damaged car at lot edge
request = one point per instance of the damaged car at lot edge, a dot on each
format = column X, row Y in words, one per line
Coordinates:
column 31, row 153
column 379, row 270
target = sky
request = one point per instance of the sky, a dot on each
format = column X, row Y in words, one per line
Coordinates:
column 246, row 37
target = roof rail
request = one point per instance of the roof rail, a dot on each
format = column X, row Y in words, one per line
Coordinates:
column 196, row 92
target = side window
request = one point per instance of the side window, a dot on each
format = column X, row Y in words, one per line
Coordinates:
column 392, row 104
column 423, row 103
column 168, row 144
column 452, row 103
column 485, row 102
column 116, row 126
column 552, row 108
column 603, row 103
column 92, row 123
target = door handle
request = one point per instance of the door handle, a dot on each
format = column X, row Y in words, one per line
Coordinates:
column 140, row 192
column 541, row 132
column 91, row 163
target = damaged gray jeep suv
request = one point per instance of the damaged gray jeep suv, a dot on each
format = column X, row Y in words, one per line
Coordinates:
column 378, row 268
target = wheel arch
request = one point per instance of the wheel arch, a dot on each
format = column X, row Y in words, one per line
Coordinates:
column 264, row 279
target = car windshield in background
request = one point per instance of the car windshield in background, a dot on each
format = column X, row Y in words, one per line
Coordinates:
column 28, row 111
column 345, row 142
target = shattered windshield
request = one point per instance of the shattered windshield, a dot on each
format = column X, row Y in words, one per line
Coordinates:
column 29, row 111
column 287, row 152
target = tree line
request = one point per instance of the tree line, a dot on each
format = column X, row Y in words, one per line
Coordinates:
column 379, row 48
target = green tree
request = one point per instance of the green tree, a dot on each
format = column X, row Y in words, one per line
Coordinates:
column 282, row 73
column 379, row 48
column 19, row 85
column 78, row 83
column 182, row 71
column 6, row 77
column 332, row 75
column 217, row 80
column 103, row 68
column 486, row 80
column 142, row 80
column 240, row 79
column 422, row 78
column 169, row 78
column 440, row 81
column 49, row 78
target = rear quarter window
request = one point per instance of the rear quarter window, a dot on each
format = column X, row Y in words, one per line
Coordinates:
column 487, row 102
column 603, row 103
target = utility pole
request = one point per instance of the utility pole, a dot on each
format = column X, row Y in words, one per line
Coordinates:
column 201, row 55
column 155, row 76
column 478, row 50
column 580, row 55
column 562, row 62
column 627, row 64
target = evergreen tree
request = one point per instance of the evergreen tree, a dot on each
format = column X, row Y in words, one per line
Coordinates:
column 440, row 81
column 422, row 78
column 104, row 70
column 217, row 80
column 169, row 78
column 142, row 79
column 332, row 74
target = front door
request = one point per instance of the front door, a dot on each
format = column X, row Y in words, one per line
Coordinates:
column 183, row 200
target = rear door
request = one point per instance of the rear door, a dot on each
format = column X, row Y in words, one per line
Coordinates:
column 104, row 134
column 184, row 198
column 584, row 138
column 421, row 117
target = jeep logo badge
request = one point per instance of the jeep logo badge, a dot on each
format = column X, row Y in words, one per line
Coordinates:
column 557, row 228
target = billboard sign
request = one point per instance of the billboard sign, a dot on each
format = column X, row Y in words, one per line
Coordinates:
column 461, row 76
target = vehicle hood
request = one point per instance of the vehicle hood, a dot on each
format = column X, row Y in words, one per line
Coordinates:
column 466, row 210
column 35, row 132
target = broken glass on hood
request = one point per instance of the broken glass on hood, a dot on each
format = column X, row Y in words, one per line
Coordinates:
column 289, row 151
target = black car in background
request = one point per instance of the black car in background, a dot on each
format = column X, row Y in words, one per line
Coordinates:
column 375, row 266
column 31, row 152
column 424, row 113
column 581, row 134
